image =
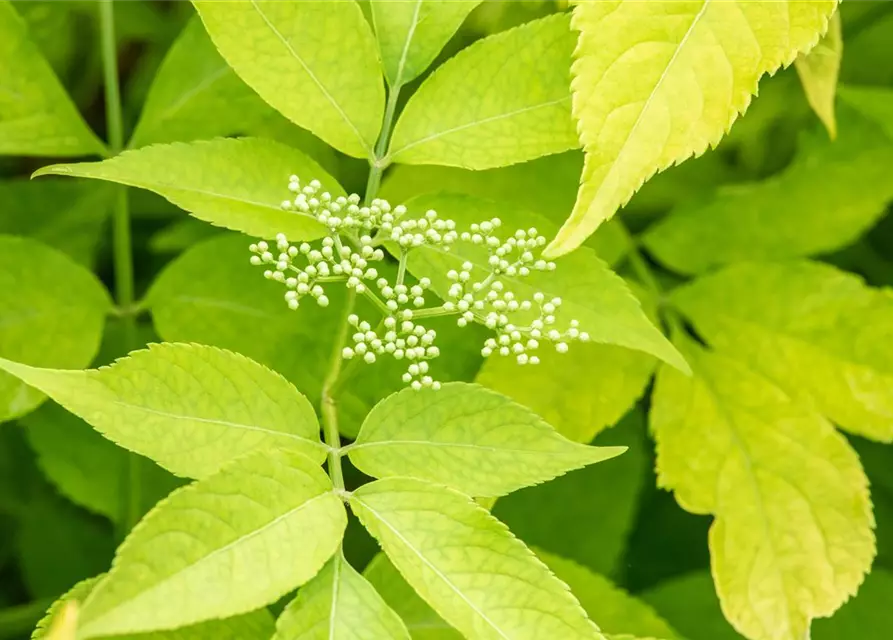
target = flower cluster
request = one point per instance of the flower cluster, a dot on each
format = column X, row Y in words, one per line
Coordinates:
column 350, row 249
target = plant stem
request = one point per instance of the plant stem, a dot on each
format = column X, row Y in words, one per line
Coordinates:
column 379, row 163
column 401, row 268
column 122, row 245
column 328, row 401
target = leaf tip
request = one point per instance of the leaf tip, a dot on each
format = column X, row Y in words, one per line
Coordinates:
column 53, row 169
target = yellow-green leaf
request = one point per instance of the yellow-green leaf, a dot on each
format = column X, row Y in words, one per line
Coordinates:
column 818, row 71
column 792, row 537
column 656, row 83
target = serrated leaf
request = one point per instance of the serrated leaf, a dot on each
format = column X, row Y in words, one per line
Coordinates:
column 818, row 70
column 52, row 313
column 37, row 118
column 655, row 84
column 502, row 100
column 225, row 545
column 237, row 184
column 591, row 293
column 191, row 408
column 467, row 437
column 832, row 193
column 420, row 525
column 817, row 332
column 792, row 537
column 196, row 95
column 411, row 34
column 615, row 610
column 297, row 57
column 339, row 604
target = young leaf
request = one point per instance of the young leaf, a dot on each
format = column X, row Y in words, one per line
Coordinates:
column 257, row 625
column 467, row 437
column 833, row 192
column 225, row 545
column 411, row 34
column 339, row 604
column 189, row 407
column 830, row 337
column 421, row 526
column 196, row 95
column 792, row 537
column 504, row 99
column 655, row 84
column 591, row 293
column 315, row 62
column 818, row 71
column 52, row 313
column 37, row 118
column 237, row 184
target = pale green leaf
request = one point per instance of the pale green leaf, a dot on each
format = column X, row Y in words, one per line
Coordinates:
column 467, row 437
column 411, row 33
column 657, row 83
column 315, row 62
column 257, row 625
column 195, row 95
column 339, row 604
column 818, row 71
column 615, row 610
column 68, row 216
column 493, row 588
column 235, row 541
column 189, row 407
column 502, row 100
column 52, row 313
column 37, row 118
column 832, row 193
column 792, row 537
column 237, row 184
column 817, row 332
column 591, row 293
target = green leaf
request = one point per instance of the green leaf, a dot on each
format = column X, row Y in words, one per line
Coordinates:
column 467, row 437
column 68, row 216
column 504, row 99
column 339, row 604
column 257, row 625
column 225, row 545
column 411, row 34
column 196, row 95
column 421, row 526
column 828, row 334
column 615, row 610
column 591, row 293
column 237, row 184
column 86, row 467
column 792, row 537
column 831, row 194
column 189, row 407
column 316, row 63
column 818, row 71
column 654, row 85
column 52, row 313
column 37, row 118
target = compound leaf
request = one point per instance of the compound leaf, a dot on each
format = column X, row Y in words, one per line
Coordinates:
column 235, row 541
column 421, row 526
column 315, row 62
column 817, row 332
column 818, row 71
column 237, row 184
column 52, row 314
column 504, row 99
column 191, row 408
column 467, row 437
column 411, row 34
column 792, row 537
column 37, row 118
column 339, row 604
column 656, row 83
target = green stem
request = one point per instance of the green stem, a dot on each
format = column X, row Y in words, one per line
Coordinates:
column 401, row 268
column 328, row 401
column 19, row 620
column 122, row 245
column 379, row 163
